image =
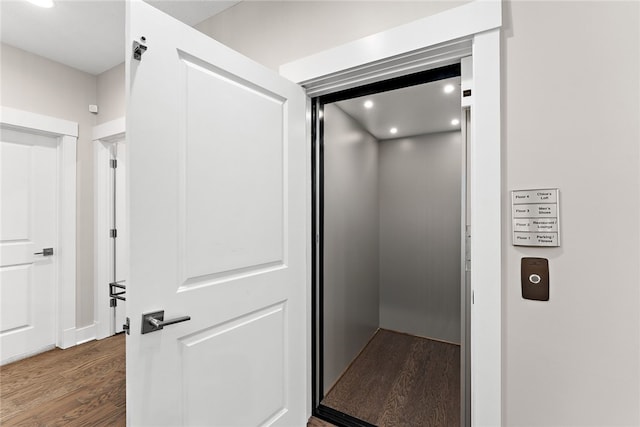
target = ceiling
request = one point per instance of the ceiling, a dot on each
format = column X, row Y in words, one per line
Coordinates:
column 414, row 110
column 89, row 35
column 86, row 34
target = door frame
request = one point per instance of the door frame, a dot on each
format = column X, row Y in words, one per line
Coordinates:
column 318, row 282
column 103, row 136
column 469, row 30
column 66, row 133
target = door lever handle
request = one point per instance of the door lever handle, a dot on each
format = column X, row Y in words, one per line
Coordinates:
column 160, row 323
column 45, row 252
column 154, row 321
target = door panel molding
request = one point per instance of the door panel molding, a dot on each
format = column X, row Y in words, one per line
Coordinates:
column 66, row 133
column 217, row 243
column 261, row 381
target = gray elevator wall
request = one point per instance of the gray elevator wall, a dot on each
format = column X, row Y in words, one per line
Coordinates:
column 420, row 205
column 351, row 286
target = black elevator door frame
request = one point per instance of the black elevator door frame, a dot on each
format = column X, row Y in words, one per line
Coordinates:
column 317, row 224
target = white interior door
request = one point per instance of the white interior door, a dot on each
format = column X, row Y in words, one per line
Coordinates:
column 119, row 249
column 28, row 221
column 121, row 258
column 217, row 176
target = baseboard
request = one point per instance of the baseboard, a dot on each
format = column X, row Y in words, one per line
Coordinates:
column 25, row 355
column 85, row 334
column 67, row 338
column 101, row 330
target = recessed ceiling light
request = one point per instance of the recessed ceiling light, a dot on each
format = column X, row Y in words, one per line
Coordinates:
column 368, row 103
column 449, row 88
column 455, row 122
column 393, row 130
column 42, row 3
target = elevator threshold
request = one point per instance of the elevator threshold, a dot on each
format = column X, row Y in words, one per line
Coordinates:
column 401, row 380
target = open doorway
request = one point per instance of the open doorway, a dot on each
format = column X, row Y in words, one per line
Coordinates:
column 389, row 264
column 110, row 227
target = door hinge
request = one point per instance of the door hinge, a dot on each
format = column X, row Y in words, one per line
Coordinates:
column 113, row 233
column 113, row 163
column 113, row 302
column 139, row 48
column 125, row 327
column 467, row 249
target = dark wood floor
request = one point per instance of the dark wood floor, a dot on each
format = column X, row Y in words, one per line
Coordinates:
column 315, row 422
column 401, row 380
column 397, row 380
column 80, row 386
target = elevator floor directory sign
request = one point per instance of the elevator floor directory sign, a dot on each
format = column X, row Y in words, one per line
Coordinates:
column 536, row 217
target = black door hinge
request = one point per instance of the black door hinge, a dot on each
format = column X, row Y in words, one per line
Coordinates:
column 113, row 233
column 125, row 327
column 113, row 163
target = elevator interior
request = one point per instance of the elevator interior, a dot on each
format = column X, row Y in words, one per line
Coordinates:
column 391, row 222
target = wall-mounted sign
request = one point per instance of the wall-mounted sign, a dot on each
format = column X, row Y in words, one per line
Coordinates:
column 536, row 217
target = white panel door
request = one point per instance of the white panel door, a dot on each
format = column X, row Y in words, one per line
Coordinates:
column 119, row 261
column 28, row 197
column 217, row 177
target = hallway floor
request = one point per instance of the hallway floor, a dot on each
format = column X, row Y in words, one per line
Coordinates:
column 415, row 381
column 83, row 385
column 401, row 380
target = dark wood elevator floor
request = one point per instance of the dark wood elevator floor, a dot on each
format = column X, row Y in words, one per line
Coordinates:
column 401, row 380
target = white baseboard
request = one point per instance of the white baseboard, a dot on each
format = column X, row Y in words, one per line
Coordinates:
column 68, row 338
column 86, row 333
column 28, row 354
column 102, row 330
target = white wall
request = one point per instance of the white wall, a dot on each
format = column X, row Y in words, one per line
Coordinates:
column 31, row 83
column 420, row 220
column 111, row 94
column 276, row 32
column 36, row 84
column 351, row 286
column 570, row 118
